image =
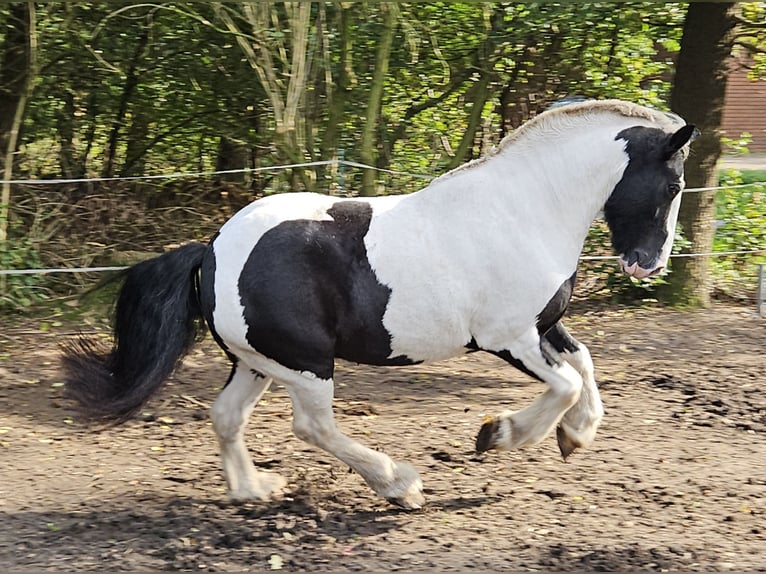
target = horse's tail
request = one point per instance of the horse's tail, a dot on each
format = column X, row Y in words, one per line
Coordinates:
column 157, row 319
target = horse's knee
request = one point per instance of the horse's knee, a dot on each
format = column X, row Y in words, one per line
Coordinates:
column 581, row 360
column 227, row 422
column 223, row 426
column 569, row 388
column 312, row 410
column 234, row 405
column 312, row 431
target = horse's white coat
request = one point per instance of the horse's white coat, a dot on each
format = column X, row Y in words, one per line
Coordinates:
column 475, row 255
column 527, row 214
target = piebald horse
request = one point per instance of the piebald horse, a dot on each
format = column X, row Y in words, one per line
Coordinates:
column 483, row 258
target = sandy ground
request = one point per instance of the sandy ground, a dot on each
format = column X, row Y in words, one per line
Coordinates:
column 676, row 479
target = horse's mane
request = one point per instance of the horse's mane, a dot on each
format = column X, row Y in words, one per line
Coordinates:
column 553, row 119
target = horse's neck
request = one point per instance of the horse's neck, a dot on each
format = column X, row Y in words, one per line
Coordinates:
column 543, row 193
column 573, row 176
column 556, row 186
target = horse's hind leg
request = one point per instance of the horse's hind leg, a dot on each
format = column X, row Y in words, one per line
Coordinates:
column 579, row 424
column 313, row 422
column 230, row 412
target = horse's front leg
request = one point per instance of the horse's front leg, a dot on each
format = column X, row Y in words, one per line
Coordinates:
column 579, row 424
column 539, row 358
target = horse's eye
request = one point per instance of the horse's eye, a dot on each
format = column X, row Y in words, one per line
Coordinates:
column 673, row 189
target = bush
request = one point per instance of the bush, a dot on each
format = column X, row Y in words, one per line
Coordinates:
column 19, row 292
column 740, row 226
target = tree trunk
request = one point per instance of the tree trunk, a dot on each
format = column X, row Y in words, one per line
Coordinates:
column 65, row 128
column 131, row 83
column 14, row 68
column 698, row 96
column 481, row 93
column 135, row 152
column 367, row 145
column 484, row 60
column 337, row 98
column 232, row 155
column 19, row 69
column 282, row 68
column 90, row 134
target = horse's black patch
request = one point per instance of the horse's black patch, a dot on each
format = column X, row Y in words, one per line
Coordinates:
column 637, row 210
column 310, row 294
column 550, row 316
column 561, row 340
column 557, row 306
column 505, row 355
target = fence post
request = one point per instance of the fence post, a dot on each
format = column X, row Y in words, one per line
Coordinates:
column 342, row 171
column 761, row 288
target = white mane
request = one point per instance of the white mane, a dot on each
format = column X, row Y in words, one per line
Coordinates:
column 552, row 122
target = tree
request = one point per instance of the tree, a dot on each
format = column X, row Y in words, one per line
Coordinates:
column 277, row 46
column 17, row 75
column 132, row 87
column 698, row 94
column 367, row 146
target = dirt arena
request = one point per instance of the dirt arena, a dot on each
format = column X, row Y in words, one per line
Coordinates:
column 676, row 479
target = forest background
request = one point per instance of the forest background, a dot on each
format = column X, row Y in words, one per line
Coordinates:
column 103, row 91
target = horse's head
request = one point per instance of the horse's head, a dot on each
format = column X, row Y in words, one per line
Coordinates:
column 643, row 208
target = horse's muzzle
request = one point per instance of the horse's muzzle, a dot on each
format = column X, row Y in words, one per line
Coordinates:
column 638, row 272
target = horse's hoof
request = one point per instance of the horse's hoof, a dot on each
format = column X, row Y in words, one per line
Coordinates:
column 410, row 501
column 566, row 445
column 407, row 492
column 485, row 440
column 269, row 487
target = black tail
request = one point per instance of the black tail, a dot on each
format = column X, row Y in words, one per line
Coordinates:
column 157, row 319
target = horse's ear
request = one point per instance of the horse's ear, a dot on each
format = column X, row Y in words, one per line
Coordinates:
column 679, row 139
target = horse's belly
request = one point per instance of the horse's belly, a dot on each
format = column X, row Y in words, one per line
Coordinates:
column 419, row 348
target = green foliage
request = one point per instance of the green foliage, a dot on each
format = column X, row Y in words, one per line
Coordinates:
column 737, row 146
column 19, row 292
column 544, row 52
column 170, row 87
column 194, row 85
column 741, row 226
column 751, row 40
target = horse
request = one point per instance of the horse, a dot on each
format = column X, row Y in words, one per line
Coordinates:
column 483, row 258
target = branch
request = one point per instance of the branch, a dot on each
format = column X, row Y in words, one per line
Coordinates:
column 125, row 169
column 752, row 48
column 265, row 72
column 749, row 24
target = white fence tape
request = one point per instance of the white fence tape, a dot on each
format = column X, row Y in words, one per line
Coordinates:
column 210, row 173
column 335, row 162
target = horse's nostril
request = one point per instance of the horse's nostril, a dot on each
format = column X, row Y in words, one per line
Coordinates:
column 639, row 256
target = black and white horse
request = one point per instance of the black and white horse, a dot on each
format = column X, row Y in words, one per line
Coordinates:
column 483, row 258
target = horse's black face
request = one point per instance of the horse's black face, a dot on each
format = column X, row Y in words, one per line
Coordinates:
column 643, row 208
